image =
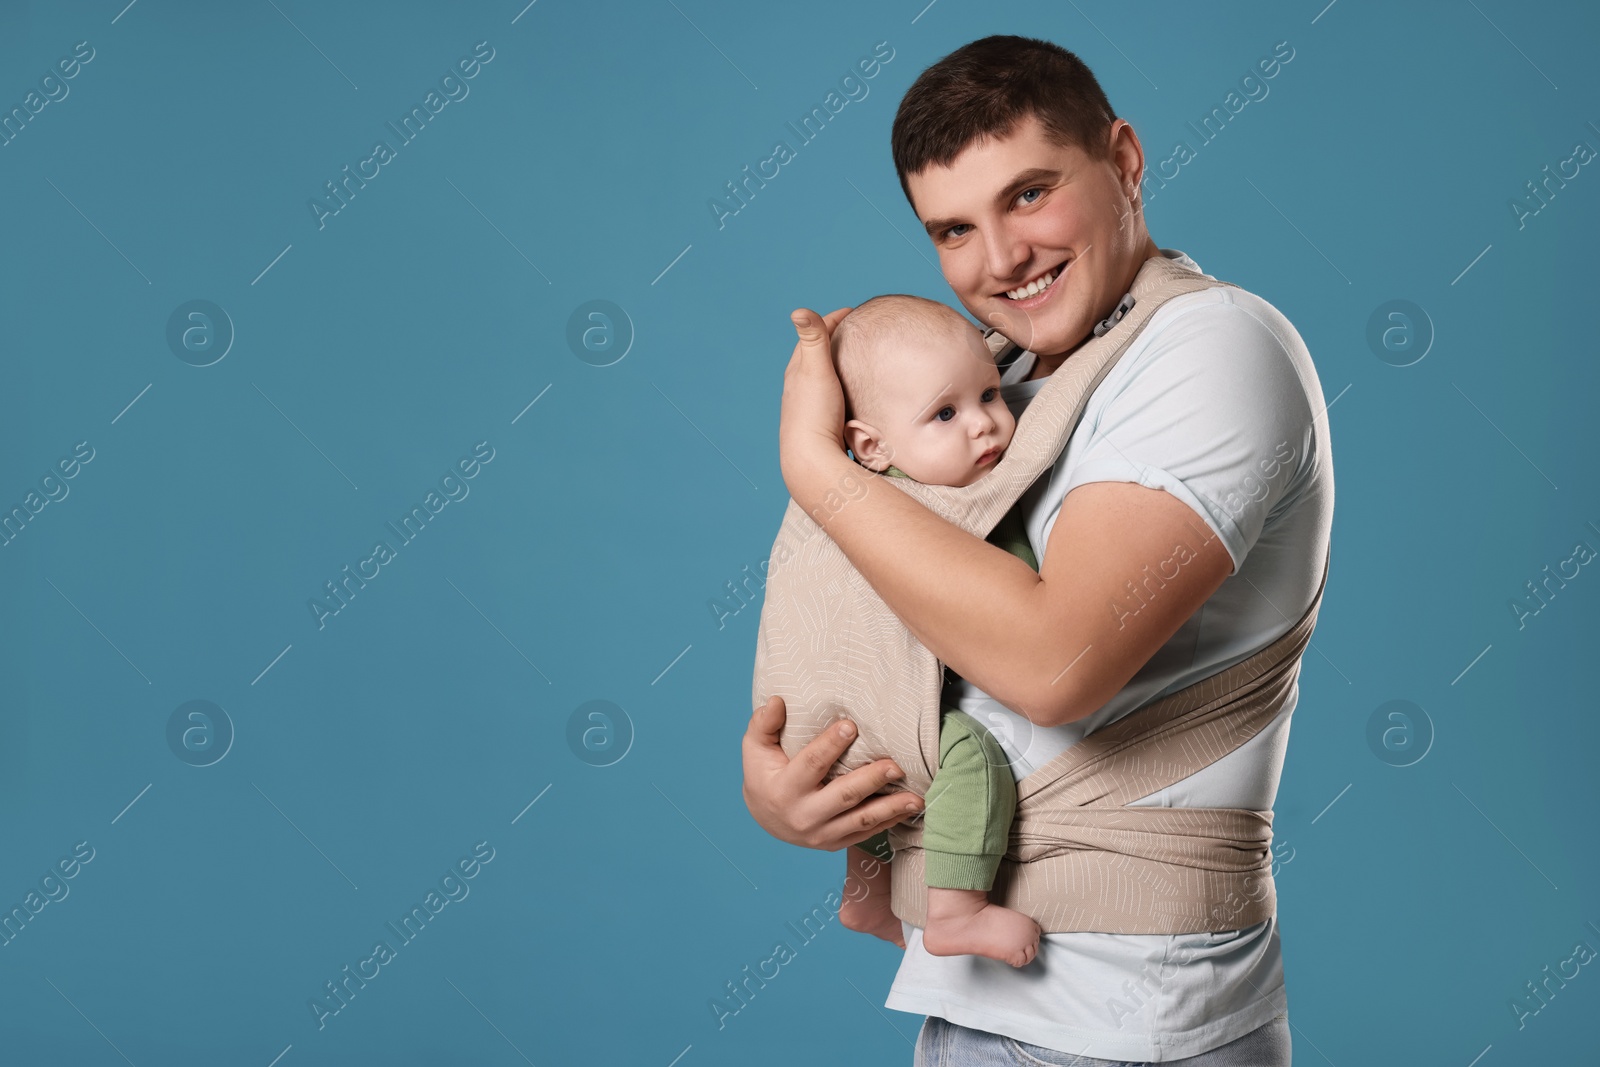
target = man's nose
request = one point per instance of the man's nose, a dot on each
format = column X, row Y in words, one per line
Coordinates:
column 1005, row 253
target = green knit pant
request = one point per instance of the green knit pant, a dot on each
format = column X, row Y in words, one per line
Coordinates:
column 966, row 821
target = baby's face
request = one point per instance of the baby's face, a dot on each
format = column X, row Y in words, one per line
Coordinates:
column 941, row 415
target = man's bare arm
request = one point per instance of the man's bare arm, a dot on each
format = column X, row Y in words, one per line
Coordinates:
column 1125, row 566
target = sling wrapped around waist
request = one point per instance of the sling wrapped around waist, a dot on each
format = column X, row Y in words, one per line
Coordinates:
column 1082, row 860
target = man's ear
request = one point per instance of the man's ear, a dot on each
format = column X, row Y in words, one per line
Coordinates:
column 869, row 447
column 1126, row 155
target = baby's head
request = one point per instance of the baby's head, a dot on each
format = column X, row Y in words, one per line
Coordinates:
column 921, row 391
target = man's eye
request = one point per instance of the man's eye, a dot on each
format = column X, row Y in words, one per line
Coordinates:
column 945, row 414
column 951, row 231
column 1025, row 192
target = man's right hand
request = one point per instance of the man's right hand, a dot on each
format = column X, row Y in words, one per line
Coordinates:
column 792, row 802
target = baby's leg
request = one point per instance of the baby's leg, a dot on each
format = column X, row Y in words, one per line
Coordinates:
column 966, row 825
column 866, row 890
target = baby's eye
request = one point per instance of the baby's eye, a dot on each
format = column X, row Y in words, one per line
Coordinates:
column 945, row 414
column 989, row 394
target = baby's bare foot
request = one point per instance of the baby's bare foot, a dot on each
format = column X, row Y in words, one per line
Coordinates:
column 964, row 922
column 871, row 915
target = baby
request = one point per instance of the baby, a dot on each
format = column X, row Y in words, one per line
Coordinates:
column 922, row 390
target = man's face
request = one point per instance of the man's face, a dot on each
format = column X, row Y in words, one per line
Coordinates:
column 1010, row 213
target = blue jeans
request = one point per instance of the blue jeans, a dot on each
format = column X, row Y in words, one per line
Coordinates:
column 945, row 1044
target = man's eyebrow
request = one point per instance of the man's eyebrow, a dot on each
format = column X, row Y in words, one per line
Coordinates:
column 1031, row 176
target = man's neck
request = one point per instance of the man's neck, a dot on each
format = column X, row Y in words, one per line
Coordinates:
column 1044, row 366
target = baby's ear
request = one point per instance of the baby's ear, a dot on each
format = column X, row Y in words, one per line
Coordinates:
column 867, row 445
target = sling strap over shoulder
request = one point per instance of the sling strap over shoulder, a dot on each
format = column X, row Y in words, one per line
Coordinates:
column 1079, row 858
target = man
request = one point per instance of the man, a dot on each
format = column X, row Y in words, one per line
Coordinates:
column 1207, row 434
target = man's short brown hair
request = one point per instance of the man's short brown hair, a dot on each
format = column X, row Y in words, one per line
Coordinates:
column 984, row 89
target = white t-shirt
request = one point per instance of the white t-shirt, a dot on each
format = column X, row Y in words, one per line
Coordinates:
column 1218, row 403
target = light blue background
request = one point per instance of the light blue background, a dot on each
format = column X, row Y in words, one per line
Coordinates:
column 430, row 312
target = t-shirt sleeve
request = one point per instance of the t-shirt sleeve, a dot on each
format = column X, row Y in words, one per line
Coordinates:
column 1213, row 411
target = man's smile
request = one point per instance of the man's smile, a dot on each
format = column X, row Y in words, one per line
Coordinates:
column 1035, row 290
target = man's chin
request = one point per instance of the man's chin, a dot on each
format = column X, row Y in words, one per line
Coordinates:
column 1042, row 336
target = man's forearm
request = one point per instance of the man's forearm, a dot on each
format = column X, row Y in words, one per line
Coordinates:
column 977, row 607
column 1125, row 566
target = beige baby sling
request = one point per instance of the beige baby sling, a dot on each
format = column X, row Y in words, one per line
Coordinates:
column 1079, row 859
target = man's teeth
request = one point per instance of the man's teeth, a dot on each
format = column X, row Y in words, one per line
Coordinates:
column 1033, row 287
